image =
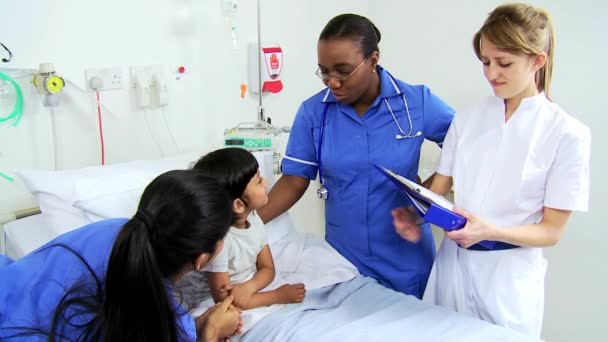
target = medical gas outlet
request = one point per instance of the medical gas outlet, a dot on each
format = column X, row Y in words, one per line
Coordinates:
column 49, row 84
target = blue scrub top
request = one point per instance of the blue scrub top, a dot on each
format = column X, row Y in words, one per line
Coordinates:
column 358, row 211
column 31, row 287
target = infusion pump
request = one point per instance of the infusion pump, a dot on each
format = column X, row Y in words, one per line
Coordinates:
column 256, row 136
column 253, row 136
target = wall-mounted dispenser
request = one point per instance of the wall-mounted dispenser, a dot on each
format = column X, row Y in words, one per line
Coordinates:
column 269, row 66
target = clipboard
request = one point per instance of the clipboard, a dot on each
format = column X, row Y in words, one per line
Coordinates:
column 432, row 207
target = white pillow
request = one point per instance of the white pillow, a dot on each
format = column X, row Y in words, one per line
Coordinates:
column 54, row 190
column 111, row 196
column 57, row 191
column 122, row 204
column 99, row 192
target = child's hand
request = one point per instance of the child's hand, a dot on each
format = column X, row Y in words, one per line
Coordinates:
column 289, row 293
column 242, row 293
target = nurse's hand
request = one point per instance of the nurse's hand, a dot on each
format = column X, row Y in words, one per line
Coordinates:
column 474, row 231
column 406, row 222
column 219, row 322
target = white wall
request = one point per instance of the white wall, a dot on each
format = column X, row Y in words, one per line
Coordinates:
column 75, row 35
column 430, row 42
column 423, row 42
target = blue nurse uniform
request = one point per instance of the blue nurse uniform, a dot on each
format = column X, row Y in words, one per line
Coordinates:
column 358, row 209
column 31, row 287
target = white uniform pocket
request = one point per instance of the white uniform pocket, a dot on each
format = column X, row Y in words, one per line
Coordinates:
column 534, row 180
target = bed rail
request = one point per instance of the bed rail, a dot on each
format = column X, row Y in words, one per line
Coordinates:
column 18, row 214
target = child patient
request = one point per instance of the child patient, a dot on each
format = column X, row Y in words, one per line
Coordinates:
column 244, row 266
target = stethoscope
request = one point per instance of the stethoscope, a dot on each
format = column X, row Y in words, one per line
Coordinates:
column 322, row 192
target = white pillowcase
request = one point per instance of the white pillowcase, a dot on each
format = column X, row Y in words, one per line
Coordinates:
column 111, row 196
column 121, row 204
column 54, row 190
column 81, row 196
column 76, row 197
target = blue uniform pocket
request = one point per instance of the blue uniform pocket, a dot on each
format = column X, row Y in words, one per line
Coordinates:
column 334, row 213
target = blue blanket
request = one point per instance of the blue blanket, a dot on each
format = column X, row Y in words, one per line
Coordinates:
column 363, row 310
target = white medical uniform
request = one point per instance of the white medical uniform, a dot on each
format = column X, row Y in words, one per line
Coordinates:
column 506, row 173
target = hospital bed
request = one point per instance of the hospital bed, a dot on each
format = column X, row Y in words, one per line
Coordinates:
column 340, row 303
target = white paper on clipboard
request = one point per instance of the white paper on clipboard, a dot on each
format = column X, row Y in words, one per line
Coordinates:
column 425, row 194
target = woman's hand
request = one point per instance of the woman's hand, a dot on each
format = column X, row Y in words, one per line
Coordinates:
column 406, row 222
column 219, row 322
column 474, row 231
column 241, row 293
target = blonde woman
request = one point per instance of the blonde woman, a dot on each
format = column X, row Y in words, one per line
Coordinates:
column 519, row 165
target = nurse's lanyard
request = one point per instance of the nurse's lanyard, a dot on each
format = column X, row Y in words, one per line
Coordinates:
column 322, row 192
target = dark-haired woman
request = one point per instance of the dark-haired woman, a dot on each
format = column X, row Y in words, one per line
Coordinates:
column 113, row 280
column 364, row 116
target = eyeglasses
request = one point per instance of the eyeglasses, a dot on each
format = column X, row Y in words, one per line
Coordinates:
column 339, row 76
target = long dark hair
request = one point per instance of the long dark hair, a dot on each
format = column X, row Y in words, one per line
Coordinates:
column 355, row 27
column 232, row 167
column 182, row 214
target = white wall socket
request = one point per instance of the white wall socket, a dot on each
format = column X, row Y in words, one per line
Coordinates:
column 111, row 77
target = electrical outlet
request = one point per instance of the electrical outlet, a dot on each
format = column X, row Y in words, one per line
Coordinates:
column 111, row 77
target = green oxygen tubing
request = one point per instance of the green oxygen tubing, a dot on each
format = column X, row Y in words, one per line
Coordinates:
column 7, row 177
column 15, row 114
column 17, row 111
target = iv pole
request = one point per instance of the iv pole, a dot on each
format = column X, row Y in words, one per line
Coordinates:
column 261, row 116
column 263, row 121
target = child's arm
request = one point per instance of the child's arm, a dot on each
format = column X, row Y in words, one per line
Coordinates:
column 217, row 274
column 264, row 275
column 265, row 266
column 285, row 294
column 219, row 282
column 246, row 295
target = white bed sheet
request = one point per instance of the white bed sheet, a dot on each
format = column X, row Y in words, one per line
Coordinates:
column 338, row 296
column 363, row 310
column 25, row 235
column 299, row 258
